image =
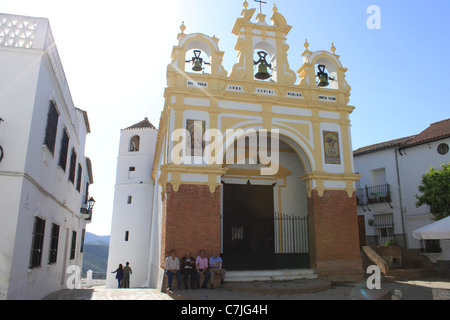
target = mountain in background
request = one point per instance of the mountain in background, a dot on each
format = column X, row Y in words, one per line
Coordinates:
column 95, row 254
column 93, row 238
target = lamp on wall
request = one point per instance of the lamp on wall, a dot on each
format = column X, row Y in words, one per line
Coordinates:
column 87, row 212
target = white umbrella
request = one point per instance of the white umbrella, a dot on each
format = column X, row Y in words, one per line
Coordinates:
column 437, row 230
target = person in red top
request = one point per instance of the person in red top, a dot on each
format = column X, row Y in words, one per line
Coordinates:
column 201, row 264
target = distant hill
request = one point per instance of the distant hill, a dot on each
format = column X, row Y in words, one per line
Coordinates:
column 93, row 238
column 95, row 256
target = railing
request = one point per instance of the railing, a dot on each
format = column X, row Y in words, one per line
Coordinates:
column 291, row 234
column 375, row 194
column 383, row 221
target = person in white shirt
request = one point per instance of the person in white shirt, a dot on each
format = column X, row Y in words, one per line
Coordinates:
column 172, row 266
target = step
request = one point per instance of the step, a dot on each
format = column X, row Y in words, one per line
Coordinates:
column 269, row 275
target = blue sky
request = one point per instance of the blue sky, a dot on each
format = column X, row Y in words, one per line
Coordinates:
column 115, row 55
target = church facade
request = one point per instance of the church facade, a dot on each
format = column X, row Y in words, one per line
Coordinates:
column 250, row 163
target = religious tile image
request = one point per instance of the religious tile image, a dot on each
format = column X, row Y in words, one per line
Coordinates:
column 195, row 143
column 331, row 147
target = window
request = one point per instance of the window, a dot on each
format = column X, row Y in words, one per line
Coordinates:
column 131, row 172
column 37, row 243
column 384, row 224
column 430, row 246
column 80, row 169
column 74, row 245
column 86, row 193
column 73, row 161
column 130, row 198
column 134, row 144
column 64, row 150
column 378, row 177
column 52, row 125
column 54, row 238
column 83, row 233
column 127, row 234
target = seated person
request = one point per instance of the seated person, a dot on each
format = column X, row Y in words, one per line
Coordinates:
column 188, row 270
column 201, row 264
column 172, row 266
column 215, row 268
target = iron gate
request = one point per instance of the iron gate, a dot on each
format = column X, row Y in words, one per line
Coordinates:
column 281, row 242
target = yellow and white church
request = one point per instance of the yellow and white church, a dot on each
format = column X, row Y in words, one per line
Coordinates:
column 277, row 189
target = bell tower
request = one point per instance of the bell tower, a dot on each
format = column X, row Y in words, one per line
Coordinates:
column 264, row 46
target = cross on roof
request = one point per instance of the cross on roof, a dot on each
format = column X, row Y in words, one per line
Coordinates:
column 260, row 5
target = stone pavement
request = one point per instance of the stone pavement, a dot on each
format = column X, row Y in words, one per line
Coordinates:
column 427, row 289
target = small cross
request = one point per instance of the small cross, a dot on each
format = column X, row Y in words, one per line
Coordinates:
column 260, row 5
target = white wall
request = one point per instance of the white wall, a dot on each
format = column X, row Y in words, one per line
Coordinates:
column 134, row 217
column 415, row 162
column 31, row 183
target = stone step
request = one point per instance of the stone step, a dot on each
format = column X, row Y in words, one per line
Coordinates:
column 280, row 287
column 269, row 275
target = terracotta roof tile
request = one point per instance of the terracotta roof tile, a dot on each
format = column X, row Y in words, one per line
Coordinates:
column 141, row 125
column 435, row 131
column 382, row 146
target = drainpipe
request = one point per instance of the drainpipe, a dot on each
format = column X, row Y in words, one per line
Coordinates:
column 400, row 195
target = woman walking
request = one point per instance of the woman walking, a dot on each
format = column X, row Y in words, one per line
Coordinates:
column 119, row 275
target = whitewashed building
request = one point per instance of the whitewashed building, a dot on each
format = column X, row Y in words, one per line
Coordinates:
column 391, row 173
column 44, row 174
column 133, row 200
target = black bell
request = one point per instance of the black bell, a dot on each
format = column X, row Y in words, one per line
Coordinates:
column 323, row 76
column 197, row 61
column 262, row 73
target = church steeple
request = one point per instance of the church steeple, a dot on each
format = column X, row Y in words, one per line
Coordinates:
column 257, row 37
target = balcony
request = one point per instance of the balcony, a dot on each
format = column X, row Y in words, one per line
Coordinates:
column 372, row 195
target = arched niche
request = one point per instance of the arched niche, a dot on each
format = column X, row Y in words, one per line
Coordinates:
column 208, row 47
column 308, row 72
column 271, row 59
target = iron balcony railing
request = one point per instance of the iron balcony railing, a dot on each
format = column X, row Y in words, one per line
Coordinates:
column 375, row 194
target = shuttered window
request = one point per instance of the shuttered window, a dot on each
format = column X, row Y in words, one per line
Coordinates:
column 52, row 125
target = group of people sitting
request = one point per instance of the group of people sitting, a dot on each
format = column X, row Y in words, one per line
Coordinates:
column 192, row 269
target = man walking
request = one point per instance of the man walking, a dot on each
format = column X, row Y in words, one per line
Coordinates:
column 126, row 275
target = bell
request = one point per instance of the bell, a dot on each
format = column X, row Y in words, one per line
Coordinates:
column 323, row 80
column 262, row 73
column 323, row 77
column 197, row 66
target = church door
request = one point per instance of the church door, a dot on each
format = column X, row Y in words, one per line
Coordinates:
column 248, row 227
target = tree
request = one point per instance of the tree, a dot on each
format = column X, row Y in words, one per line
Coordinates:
column 435, row 191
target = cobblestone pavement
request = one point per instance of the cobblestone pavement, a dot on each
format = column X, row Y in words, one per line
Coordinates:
column 428, row 289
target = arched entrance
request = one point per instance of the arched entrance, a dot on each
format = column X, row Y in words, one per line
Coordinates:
column 265, row 218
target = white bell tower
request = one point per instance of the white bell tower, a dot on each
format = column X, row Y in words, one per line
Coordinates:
column 133, row 203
